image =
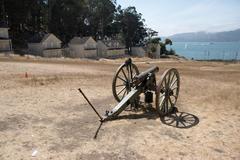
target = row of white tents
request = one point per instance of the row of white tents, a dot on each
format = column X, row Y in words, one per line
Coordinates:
column 48, row 45
column 78, row 47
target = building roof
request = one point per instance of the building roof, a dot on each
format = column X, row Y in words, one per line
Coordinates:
column 45, row 37
column 79, row 40
column 39, row 37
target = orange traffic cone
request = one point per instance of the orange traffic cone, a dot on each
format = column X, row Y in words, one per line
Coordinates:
column 26, row 75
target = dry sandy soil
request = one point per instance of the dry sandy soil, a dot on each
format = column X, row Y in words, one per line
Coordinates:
column 45, row 112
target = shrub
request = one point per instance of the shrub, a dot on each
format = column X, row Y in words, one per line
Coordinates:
column 153, row 49
column 171, row 52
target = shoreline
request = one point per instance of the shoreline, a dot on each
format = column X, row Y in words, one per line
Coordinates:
column 31, row 58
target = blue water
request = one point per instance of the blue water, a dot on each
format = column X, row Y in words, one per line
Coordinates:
column 208, row 50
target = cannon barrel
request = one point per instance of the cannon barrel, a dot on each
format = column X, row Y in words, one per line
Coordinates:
column 143, row 75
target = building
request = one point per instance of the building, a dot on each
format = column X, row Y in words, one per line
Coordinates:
column 45, row 45
column 110, row 48
column 138, row 52
column 5, row 41
column 82, row 47
column 153, row 50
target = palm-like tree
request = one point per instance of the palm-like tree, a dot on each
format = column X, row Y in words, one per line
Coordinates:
column 163, row 49
column 168, row 41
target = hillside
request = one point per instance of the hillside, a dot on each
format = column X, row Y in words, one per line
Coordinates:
column 227, row 36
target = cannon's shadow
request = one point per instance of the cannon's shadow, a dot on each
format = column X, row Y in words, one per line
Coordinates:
column 175, row 118
column 180, row 119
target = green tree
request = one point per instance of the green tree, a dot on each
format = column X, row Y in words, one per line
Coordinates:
column 168, row 41
column 101, row 15
column 151, row 33
column 25, row 17
column 132, row 27
column 67, row 18
column 155, row 40
column 163, row 46
column 82, row 17
column 152, row 44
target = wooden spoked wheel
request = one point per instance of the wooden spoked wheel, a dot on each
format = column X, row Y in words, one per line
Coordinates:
column 123, row 80
column 167, row 91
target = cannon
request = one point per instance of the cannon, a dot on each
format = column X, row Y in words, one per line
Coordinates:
column 129, row 84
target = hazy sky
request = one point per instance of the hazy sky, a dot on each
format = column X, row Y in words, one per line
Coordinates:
column 177, row 16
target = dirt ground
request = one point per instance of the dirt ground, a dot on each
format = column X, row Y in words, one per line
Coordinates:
column 43, row 112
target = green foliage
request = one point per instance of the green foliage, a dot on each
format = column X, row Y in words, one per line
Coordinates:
column 168, row 41
column 163, row 49
column 151, row 33
column 171, row 52
column 155, row 40
column 153, row 49
column 131, row 26
column 24, row 16
column 69, row 18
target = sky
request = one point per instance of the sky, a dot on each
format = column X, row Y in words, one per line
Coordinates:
column 169, row 17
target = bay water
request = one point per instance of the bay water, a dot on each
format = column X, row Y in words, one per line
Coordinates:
column 207, row 50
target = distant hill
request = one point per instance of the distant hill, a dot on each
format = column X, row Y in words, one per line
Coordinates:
column 227, row 36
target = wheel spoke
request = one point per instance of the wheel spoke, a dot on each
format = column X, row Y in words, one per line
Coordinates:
column 181, row 114
column 172, row 84
column 120, row 85
column 183, row 123
column 190, row 120
column 174, row 88
column 122, row 79
column 162, row 95
column 124, row 74
column 171, row 122
column 174, row 96
column 185, row 115
column 162, row 101
column 171, row 102
column 166, row 106
column 168, row 118
column 134, row 74
column 177, row 123
column 165, row 81
column 168, row 82
column 121, row 91
column 172, row 78
column 162, row 104
column 124, row 94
